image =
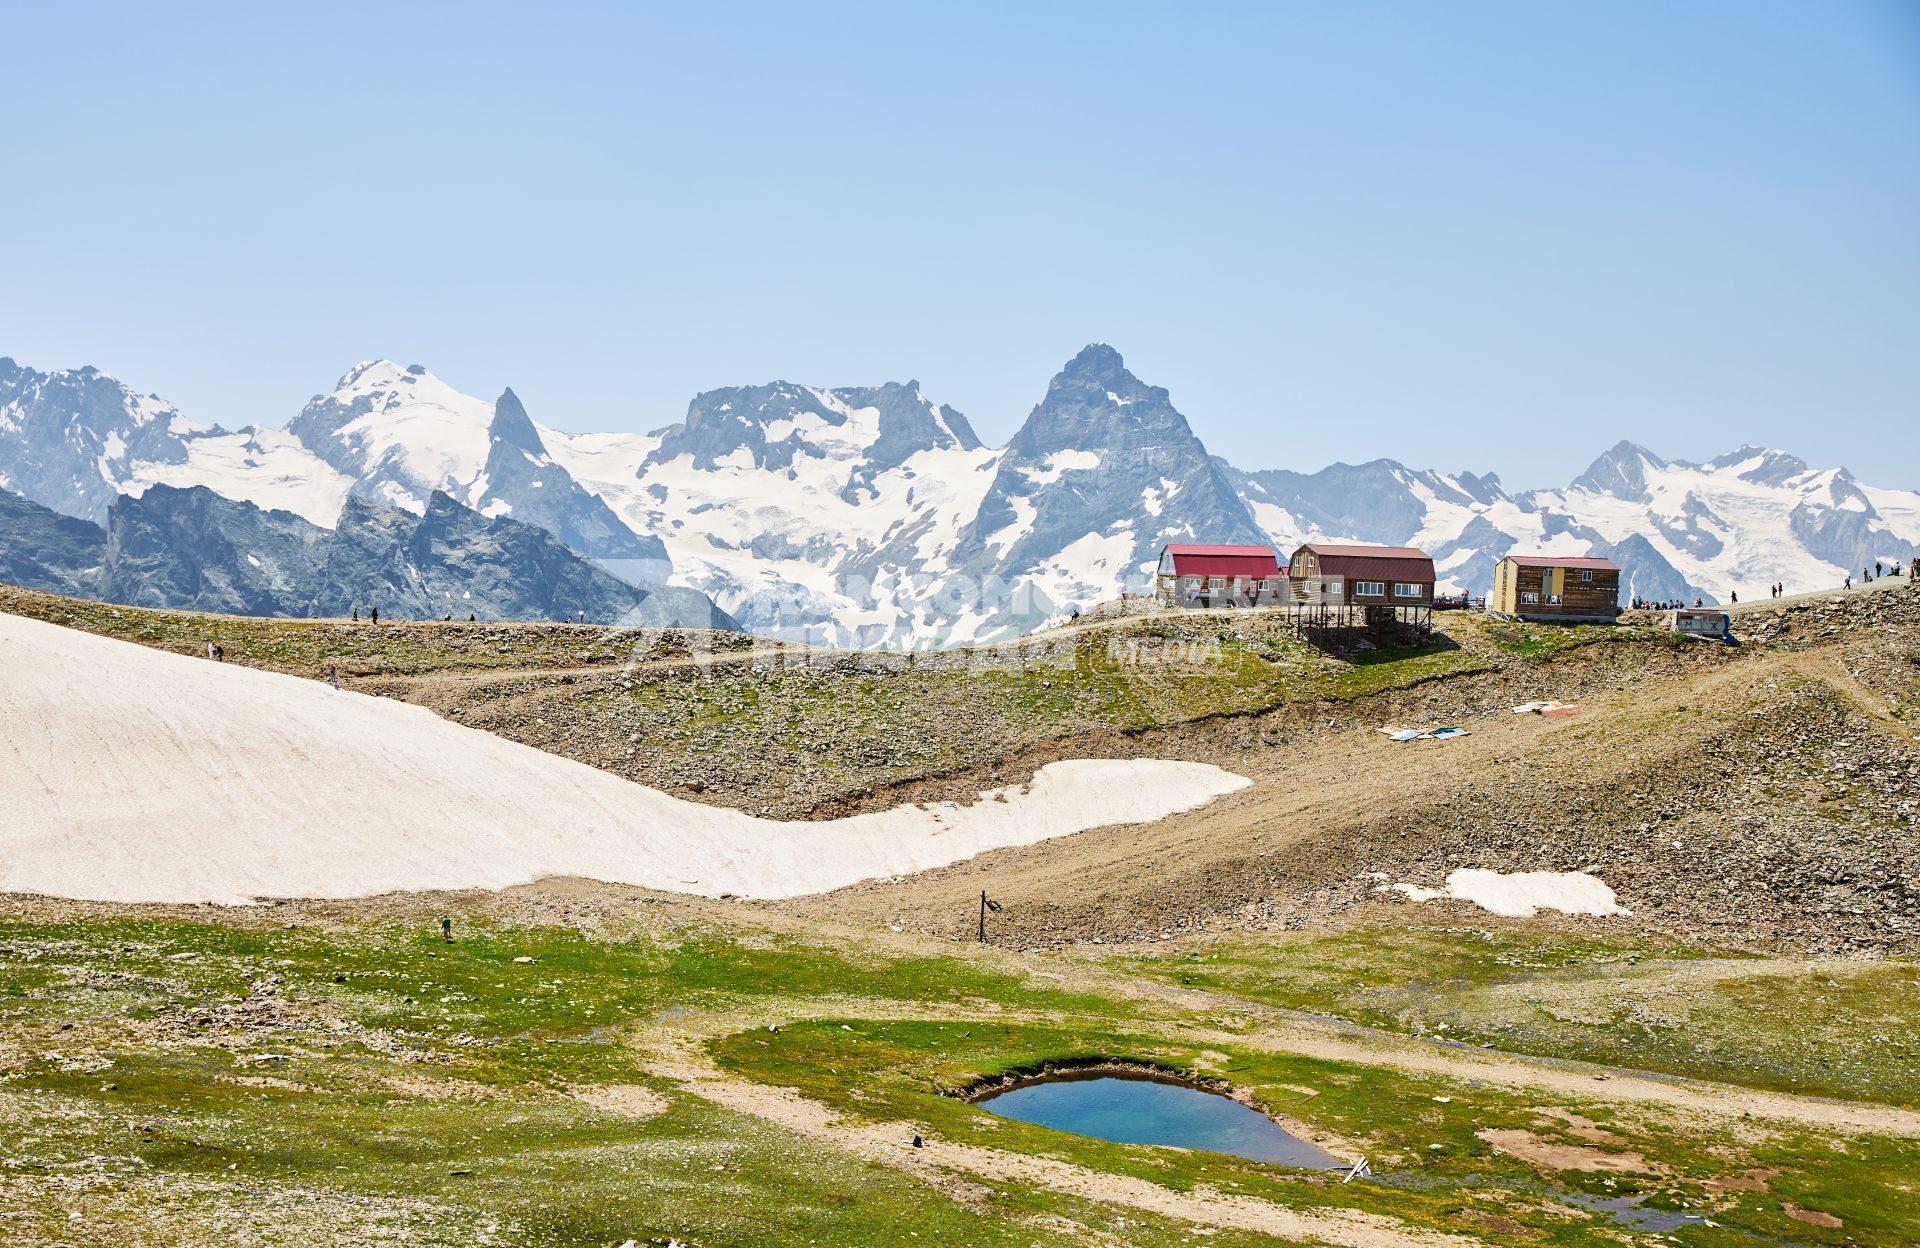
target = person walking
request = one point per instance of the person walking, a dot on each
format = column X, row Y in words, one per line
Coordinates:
column 209, row 650
column 375, row 615
column 446, row 928
column 333, row 676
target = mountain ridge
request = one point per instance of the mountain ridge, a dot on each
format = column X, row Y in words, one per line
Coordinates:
column 873, row 515
column 191, row 548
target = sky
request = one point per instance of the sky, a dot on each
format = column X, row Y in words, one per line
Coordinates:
column 1472, row 235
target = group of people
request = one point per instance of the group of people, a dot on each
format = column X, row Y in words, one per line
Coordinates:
column 1869, row 575
column 1778, row 589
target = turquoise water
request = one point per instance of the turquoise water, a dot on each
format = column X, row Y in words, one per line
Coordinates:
column 1139, row 1109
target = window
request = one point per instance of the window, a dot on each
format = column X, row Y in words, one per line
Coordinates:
column 1527, row 595
column 1408, row 589
column 1217, row 582
column 1193, row 582
column 1554, row 599
column 1369, row 589
column 1586, row 574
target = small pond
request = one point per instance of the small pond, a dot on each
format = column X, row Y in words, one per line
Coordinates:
column 1144, row 1109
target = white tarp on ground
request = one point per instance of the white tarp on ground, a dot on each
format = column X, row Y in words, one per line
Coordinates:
column 131, row 774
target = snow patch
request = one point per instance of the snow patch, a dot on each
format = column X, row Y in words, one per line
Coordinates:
column 1522, row 894
column 1059, row 464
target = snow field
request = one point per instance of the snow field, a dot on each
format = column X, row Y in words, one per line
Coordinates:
column 133, row 775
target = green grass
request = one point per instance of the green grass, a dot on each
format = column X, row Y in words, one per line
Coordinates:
column 370, row 1062
column 1847, row 1030
column 1401, row 667
column 1537, row 641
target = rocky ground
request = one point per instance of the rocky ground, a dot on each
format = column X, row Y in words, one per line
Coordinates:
column 1753, row 794
column 1766, row 793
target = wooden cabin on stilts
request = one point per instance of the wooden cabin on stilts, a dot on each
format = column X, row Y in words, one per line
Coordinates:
column 1344, row 593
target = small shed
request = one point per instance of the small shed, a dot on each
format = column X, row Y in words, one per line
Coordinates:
column 1708, row 622
column 1555, row 587
column 1199, row 575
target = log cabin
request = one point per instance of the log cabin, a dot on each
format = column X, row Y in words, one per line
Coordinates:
column 1555, row 587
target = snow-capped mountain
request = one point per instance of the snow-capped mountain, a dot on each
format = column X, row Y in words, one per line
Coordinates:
column 1104, row 472
column 875, row 516
column 829, row 515
column 398, row 434
column 1678, row 530
column 75, row 440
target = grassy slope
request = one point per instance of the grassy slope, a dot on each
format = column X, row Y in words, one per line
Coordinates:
column 305, row 647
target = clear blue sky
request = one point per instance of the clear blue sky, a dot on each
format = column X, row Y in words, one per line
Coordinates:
column 1465, row 235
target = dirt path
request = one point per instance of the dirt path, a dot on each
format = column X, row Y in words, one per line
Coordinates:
column 1695, row 1098
column 1755, row 606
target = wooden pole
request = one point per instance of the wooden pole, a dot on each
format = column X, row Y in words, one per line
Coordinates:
column 983, row 916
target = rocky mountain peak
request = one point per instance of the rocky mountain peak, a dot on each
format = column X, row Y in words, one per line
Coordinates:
column 513, row 426
column 1097, row 362
column 1094, row 403
column 1761, row 464
column 1620, row 472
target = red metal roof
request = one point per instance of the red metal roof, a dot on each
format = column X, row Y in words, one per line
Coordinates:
column 1558, row 561
column 1384, row 563
column 1195, row 559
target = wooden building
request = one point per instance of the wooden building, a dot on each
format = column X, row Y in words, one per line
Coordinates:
column 1375, row 590
column 1195, row 575
column 1555, row 587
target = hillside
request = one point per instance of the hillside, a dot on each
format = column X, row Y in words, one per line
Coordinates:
column 1731, row 752
column 798, row 731
column 1729, row 1053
